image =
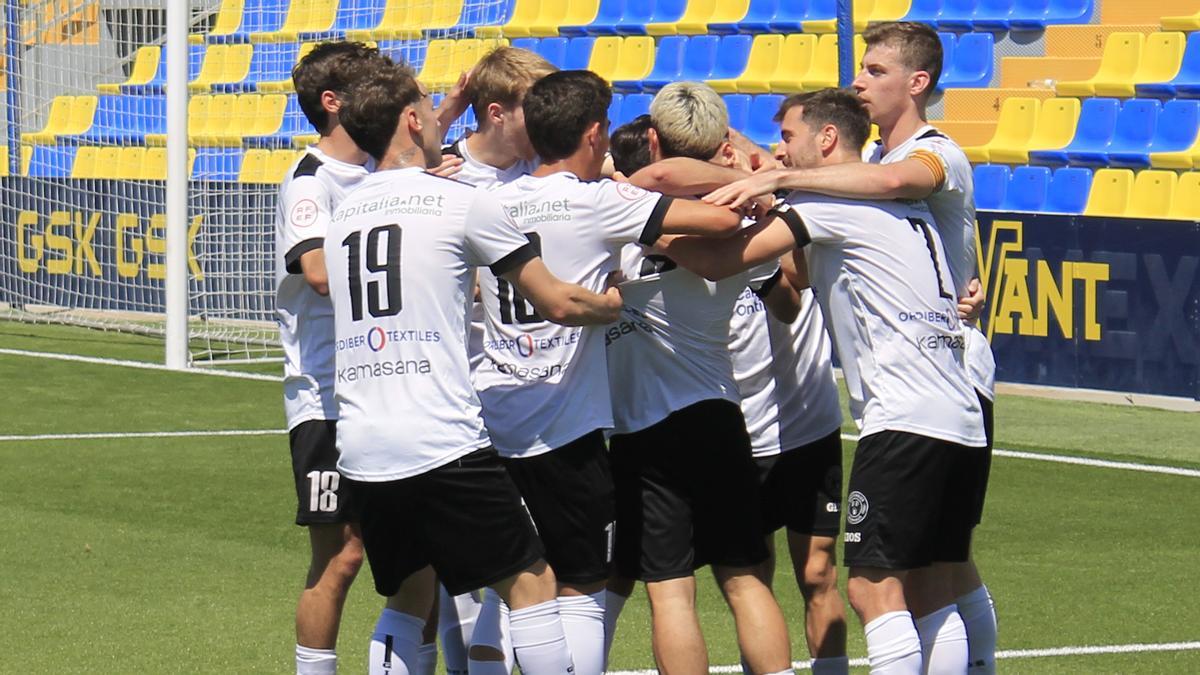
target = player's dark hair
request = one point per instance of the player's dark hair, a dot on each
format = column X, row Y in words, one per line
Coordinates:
column 918, row 45
column 839, row 107
column 331, row 66
column 372, row 105
column 629, row 145
column 560, row 107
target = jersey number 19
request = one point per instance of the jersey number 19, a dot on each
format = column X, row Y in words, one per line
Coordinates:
column 383, row 297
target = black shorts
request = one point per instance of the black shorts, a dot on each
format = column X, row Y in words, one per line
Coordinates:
column 802, row 488
column 323, row 496
column 687, row 495
column 569, row 493
column 908, row 505
column 465, row 518
column 978, row 465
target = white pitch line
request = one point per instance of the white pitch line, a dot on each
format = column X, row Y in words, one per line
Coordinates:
column 142, row 434
column 1086, row 650
column 1084, row 461
column 140, row 364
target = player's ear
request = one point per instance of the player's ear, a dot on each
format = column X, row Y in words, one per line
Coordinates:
column 330, row 102
column 727, row 156
column 918, row 83
column 827, row 138
column 495, row 113
column 655, row 148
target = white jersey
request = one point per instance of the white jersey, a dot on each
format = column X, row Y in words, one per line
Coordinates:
column 878, row 269
column 543, row 385
column 953, row 208
column 670, row 349
column 400, row 254
column 312, row 189
column 783, row 370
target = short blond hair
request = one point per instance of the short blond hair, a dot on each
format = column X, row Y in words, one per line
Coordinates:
column 503, row 76
column 690, row 120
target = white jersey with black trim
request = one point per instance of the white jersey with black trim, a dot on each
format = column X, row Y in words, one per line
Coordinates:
column 543, row 385
column 878, row 270
column 400, row 254
column 783, row 370
column 953, row 207
column 311, row 190
column 671, row 347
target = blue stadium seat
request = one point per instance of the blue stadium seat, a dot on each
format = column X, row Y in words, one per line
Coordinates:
column 668, row 66
column 1027, row 189
column 351, row 15
column 973, row 62
column 258, row 16
column 757, row 20
column 124, row 120
column 553, row 50
column 991, row 182
column 472, row 16
column 1097, row 121
column 408, row 52
column 605, row 23
column 294, row 124
column 1175, row 129
column 51, row 161
column 1028, row 14
column 789, row 16
column 1186, row 82
column 636, row 15
column 271, row 62
column 579, row 53
column 1069, row 11
column 1068, row 191
column 821, row 10
column 957, row 14
column 527, row 43
column 993, row 15
column 700, row 57
column 614, row 111
column 760, row 125
column 634, row 105
column 1133, row 130
column 925, row 11
column 661, row 11
column 157, row 84
column 217, row 164
column 738, row 106
column 732, row 56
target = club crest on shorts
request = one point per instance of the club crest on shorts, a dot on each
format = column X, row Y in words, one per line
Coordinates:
column 856, row 508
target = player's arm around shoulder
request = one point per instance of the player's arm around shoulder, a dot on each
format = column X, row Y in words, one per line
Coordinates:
column 716, row 259
column 912, row 178
column 684, row 176
column 561, row 302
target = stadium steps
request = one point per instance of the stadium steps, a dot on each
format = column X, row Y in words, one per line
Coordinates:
column 1025, row 71
column 966, row 132
column 1087, row 40
column 1144, row 11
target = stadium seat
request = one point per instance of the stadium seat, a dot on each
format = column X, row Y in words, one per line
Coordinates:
column 222, row 63
column 1132, row 133
column 579, row 12
column 615, row 58
column 304, row 16
column 1097, row 121
column 823, row 72
column 634, row 105
column 524, row 16
column 614, row 111
column 281, row 161
column 214, row 125
column 400, row 20
column 114, row 163
column 1118, row 64
column 229, row 17
column 609, row 15
column 1069, row 11
column 738, row 106
column 352, row 15
column 457, row 17
column 58, row 122
column 761, row 64
column 1153, row 194
column 825, row 13
column 553, row 50
column 51, row 161
column 700, row 57
column 269, row 63
column 1175, row 130
column 993, row 15
column 550, row 15
column 760, row 124
column 757, row 19
column 4, row 161
column 84, row 166
column 991, row 183
column 124, row 120
column 1110, row 193
column 668, row 65
column 157, row 84
column 1161, row 61
column 258, row 16
column 925, row 11
column 281, row 72
column 1014, row 129
column 197, row 112
column 1186, row 205
column 579, row 53
column 1027, row 188
column 957, row 14
column 733, row 57
column 1069, row 190
column 1029, row 15
column 1186, row 77
column 692, row 21
column 529, row 43
column 1056, row 122
column 790, row 16
column 145, row 65
column 217, row 164
column 795, row 61
column 254, row 166
column 1187, row 22
column 973, row 62
column 726, row 13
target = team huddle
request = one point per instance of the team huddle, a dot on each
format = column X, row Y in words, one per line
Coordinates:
column 527, row 370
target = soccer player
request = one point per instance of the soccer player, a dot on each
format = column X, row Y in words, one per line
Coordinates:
column 313, row 188
column 433, row 493
column 879, row 272
column 912, row 160
column 686, row 485
column 544, row 387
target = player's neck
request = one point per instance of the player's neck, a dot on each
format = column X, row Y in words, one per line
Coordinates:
column 338, row 145
column 488, row 147
column 403, row 156
column 577, row 164
column 902, row 128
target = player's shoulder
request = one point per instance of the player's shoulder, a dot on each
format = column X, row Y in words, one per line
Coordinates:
column 933, row 140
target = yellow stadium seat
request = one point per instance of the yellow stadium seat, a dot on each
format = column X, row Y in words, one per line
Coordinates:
column 302, row 141
column 1153, row 194
column 795, row 62
column 524, row 17
column 862, row 14
column 1186, row 205
column 1161, row 59
column 154, row 163
column 3, row 161
column 693, row 22
column 889, row 10
column 1189, row 22
column 222, row 63
column 86, row 160
column 402, row 20
column 1018, row 119
column 58, row 120
column 1118, row 65
column 229, row 18
column 1056, row 121
column 225, row 116
column 1180, row 159
column 108, row 163
column 281, row 160
column 145, row 64
column 83, row 111
column 438, row 56
column 615, row 58
column 1110, row 193
column 286, row 85
column 764, row 59
column 729, row 11
column 580, row 13
column 550, row 16
column 823, row 72
column 303, row 16
column 131, row 160
column 26, row 157
column 197, row 112
column 464, row 54
column 254, row 166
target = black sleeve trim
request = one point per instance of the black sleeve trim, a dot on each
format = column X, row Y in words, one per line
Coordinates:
column 307, row 166
column 654, row 224
column 292, row 259
column 764, row 289
column 453, row 149
column 513, row 260
column 796, row 224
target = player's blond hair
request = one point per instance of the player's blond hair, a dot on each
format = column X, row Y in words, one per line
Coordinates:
column 503, row 76
column 690, row 120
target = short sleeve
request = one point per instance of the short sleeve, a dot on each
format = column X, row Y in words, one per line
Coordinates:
column 946, row 160
column 492, row 238
column 304, row 211
column 824, row 221
column 626, row 213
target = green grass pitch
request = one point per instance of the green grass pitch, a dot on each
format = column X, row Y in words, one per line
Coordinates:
column 134, row 555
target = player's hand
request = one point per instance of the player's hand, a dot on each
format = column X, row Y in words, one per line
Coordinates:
column 613, row 302
column 971, row 306
column 740, row 191
column 449, row 167
column 455, row 103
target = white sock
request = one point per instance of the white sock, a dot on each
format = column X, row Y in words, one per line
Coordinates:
column 831, row 665
column 395, row 644
column 456, row 621
column 978, row 613
column 613, row 604
column 789, row 671
column 943, row 642
column 311, row 661
column 893, row 646
column 583, row 624
column 427, row 659
column 538, row 640
column 492, row 630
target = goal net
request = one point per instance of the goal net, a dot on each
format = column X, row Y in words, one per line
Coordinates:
column 83, row 157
